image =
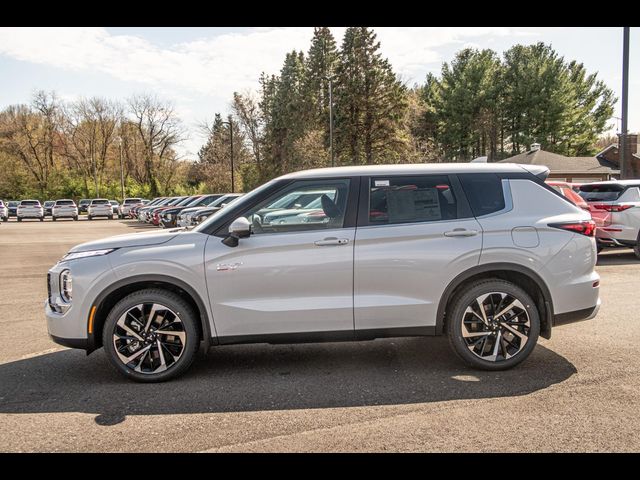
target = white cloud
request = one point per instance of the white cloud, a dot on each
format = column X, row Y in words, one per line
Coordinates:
column 209, row 69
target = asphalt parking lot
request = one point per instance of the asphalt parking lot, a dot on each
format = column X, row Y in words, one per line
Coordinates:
column 579, row 391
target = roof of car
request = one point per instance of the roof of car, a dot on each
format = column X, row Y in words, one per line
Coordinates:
column 416, row 168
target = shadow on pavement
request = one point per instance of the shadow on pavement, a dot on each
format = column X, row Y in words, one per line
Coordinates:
column 617, row 257
column 265, row 377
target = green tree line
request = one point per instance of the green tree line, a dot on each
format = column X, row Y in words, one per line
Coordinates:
column 480, row 103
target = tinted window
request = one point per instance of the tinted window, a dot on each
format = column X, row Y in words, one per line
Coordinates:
column 276, row 215
column 100, row 202
column 599, row 193
column 428, row 198
column 484, row 192
column 131, row 200
column 65, row 202
column 30, row 203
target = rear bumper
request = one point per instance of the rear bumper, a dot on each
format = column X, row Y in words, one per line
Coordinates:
column 577, row 315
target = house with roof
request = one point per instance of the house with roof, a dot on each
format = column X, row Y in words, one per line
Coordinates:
column 569, row 169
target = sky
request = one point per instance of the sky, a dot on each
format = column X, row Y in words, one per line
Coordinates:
column 198, row 69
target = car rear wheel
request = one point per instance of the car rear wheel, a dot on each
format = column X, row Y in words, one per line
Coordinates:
column 151, row 336
column 89, row 217
column 19, row 219
column 636, row 248
column 493, row 325
column 54, row 218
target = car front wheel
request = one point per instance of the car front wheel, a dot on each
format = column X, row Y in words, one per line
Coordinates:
column 151, row 336
column 493, row 325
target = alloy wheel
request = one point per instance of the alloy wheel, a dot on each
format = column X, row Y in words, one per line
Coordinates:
column 496, row 326
column 149, row 338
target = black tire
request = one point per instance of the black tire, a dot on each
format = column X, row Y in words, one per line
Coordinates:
column 89, row 217
column 19, row 219
column 636, row 251
column 54, row 219
column 599, row 248
column 5, row 219
column 169, row 300
column 456, row 315
column 42, row 219
column 110, row 218
column 75, row 219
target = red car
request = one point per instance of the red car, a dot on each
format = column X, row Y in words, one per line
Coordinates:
column 566, row 189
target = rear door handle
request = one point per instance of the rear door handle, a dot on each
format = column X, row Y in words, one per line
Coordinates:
column 331, row 241
column 460, row 232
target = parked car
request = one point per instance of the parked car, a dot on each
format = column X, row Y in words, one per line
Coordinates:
column 48, row 205
column 83, row 205
column 126, row 205
column 566, row 189
column 64, row 208
column 114, row 206
column 4, row 212
column 134, row 211
column 169, row 217
column 615, row 207
column 12, row 207
column 30, row 209
column 144, row 213
column 186, row 218
column 487, row 254
column 154, row 213
column 100, row 207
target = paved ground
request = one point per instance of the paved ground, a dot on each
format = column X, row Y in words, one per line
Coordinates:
column 580, row 391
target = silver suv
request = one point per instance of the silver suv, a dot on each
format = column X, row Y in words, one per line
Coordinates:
column 615, row 207
column 30, row 209
column 485, row 253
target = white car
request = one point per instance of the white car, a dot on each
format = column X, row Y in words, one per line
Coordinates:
column 30, row 209
column 487, row 254
column 4, row 212
column 125, row 206
column 100, row 207
column 615, row 207
column 64, row 208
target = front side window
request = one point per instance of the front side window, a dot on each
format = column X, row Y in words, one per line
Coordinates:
column 303, row 205
column 427, row 198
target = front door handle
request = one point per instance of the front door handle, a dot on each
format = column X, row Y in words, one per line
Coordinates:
column 460, row 232
column 331, row 241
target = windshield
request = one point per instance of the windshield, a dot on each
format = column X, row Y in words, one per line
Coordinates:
column 84, row 202
column 13, row 204
column 113, row 202
column 601, row 193
column 49, row 203
column 235, row 206
column 208, row 200
column 194, row 201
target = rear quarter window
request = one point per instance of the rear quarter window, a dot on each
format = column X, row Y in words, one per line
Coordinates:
column 601, row 193
column 484, row 192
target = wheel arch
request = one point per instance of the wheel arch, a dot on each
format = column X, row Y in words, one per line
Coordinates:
column 111, row 295
column 518, row 274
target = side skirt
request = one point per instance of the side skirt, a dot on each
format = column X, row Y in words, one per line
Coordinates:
column 329, row 336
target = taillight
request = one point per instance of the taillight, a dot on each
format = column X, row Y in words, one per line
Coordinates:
column 586, row 227
column 612, row 208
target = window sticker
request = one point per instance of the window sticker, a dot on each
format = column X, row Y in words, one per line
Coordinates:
column 381, row 183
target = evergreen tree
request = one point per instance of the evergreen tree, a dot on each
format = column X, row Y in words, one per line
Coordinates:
column 370, row 103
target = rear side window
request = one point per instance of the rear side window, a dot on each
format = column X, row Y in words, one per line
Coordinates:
column 484, row 192
column 599, row 193
column 427, row 198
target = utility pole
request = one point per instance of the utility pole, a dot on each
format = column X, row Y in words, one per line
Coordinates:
column 333, row 161
column 625, row 163
column 230, row 123
column 121, row 168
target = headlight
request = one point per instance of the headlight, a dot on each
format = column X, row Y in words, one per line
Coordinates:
column 66, row 286
column 90, row 253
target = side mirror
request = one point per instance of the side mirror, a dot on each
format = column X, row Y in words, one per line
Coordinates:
column 239, row 228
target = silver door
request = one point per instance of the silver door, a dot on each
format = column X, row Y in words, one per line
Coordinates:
column 287, row 277
column 403, row 263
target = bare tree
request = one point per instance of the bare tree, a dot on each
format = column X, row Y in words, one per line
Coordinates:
column 91, row 129
column 246, row 108
column 30, row 133
column 160, row 130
